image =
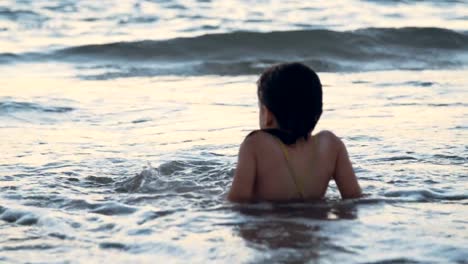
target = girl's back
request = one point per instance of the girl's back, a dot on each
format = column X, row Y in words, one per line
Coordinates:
column 302, row 173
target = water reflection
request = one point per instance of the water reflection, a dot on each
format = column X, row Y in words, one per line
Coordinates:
column 291, row 233
column 322, row 210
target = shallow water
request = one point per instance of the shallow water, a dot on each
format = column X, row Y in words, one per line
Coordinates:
column 111, row 156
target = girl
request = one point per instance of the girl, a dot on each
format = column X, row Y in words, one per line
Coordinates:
column 283, row 161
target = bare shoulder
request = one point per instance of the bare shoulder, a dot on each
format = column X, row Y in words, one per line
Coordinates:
column 327, row 134
column 329, row 138
column 250, row 143
column 343, row 172
column 257, row 143
column 256, row 138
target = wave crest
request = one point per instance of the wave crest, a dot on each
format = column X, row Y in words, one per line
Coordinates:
column 239, row 53
column 15, row 106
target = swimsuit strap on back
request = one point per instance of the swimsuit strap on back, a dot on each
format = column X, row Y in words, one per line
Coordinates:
column 297, row 181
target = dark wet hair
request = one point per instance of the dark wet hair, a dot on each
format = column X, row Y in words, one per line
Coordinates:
column 293, row 93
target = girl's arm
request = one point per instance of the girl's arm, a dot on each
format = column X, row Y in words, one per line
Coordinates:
column 344, row 174
column 242, row 188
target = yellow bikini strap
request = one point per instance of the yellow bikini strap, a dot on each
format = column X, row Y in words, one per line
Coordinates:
column 297, row 181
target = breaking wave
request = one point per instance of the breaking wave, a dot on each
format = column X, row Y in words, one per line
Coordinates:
column 241, row 53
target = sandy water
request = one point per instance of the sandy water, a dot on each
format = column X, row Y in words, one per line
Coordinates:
column 72, row 150
column 110, row 156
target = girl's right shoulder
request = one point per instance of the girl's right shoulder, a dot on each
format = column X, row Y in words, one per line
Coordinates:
column 256, row 137
column 252, row 133
column 257, row 134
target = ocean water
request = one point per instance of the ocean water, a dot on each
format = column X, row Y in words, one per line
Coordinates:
column 120, row 123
